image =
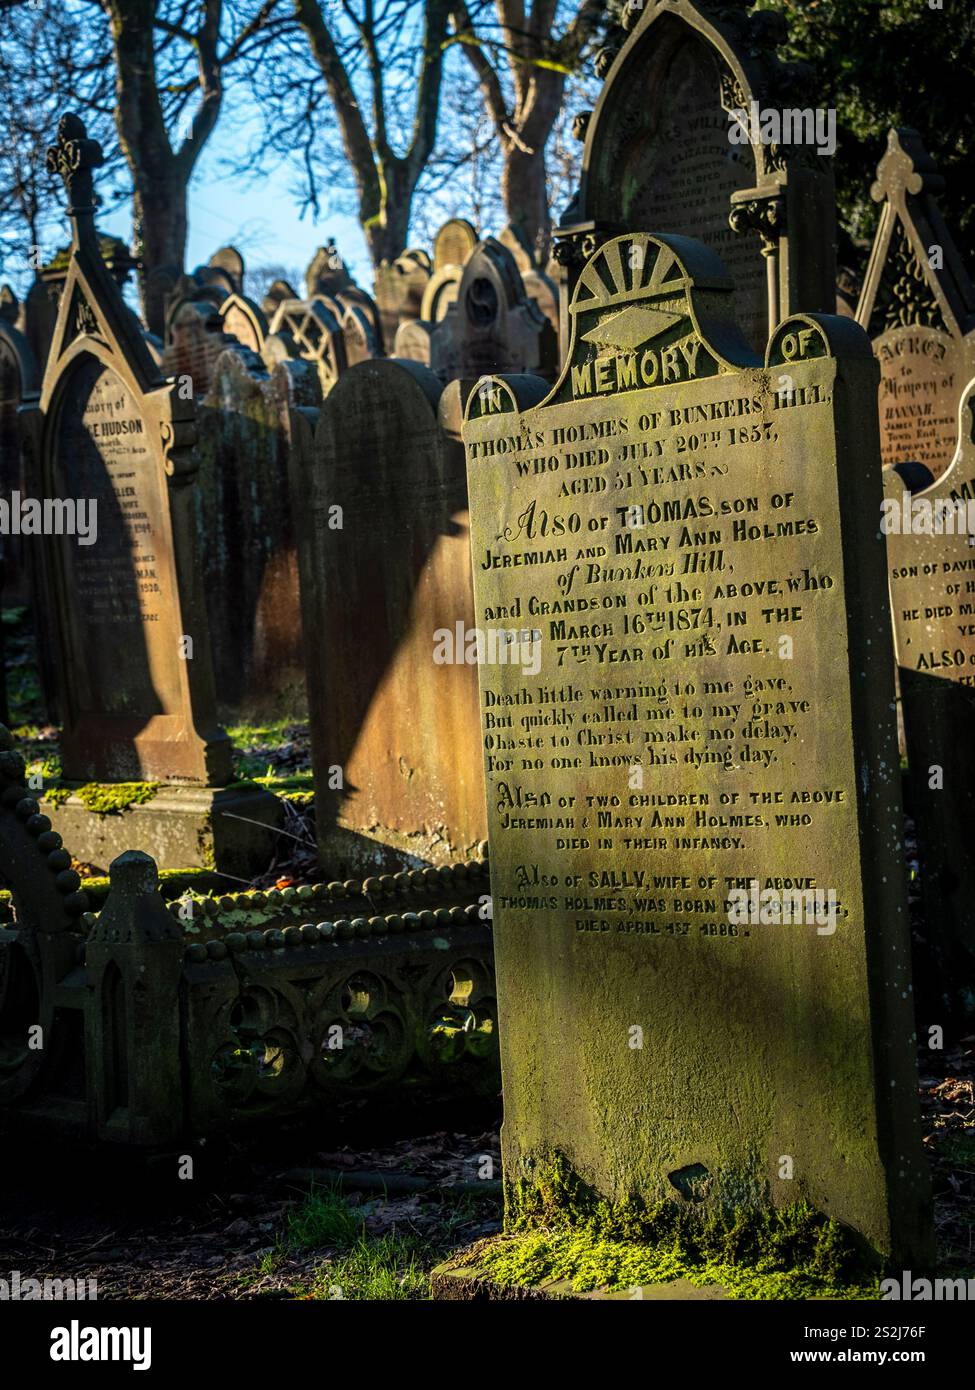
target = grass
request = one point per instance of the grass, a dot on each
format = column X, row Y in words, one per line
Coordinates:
column 391, row 1266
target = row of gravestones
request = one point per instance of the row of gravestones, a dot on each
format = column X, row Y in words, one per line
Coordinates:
column 248, row 553
column 688, row 520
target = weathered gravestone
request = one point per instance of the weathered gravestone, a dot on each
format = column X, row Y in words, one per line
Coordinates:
column 453, row 244
column 195, row 339
column 930, row 529
column 676, row 159
column 112, row 450
column 492, row 326
column 384, row 558
column 918, row 305
column 244, row 320
column 399, row 288
column 246, row 544
column 311, row 330
column 695, row 544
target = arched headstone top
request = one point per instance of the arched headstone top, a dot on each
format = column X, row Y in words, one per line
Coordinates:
column 9, row 305
column 278, row 291
column 244, row 320
column 689, row 137
column 453, row 243
column 230, row 263
column 440, row 293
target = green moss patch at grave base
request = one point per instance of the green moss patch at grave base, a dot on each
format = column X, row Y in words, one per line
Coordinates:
column 298, row 788
column 591, row 1262
column 107, row 798
column 560, row 1228
column 172, row 884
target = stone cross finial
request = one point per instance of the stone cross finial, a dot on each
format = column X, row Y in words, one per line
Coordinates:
column 905, row 165
column 73, row 158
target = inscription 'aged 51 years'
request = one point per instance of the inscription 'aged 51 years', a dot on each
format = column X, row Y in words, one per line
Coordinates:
column 711, row 713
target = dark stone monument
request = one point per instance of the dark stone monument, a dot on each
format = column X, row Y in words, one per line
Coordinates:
column 918, row 305
column 18, row 384
column 246, row 544
column 693, row 804
column 113, row 439
column 384, row 559
column 671, row 160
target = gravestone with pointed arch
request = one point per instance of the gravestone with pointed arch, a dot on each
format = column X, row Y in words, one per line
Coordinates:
column 918, row 306
column 710, row 713
column 126, row 617
column 676, row 160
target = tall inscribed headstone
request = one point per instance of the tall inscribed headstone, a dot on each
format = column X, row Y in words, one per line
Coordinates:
column 127, row 616
column 918, row 306
column 666, row 159
column 931, row 559
column 710, row 716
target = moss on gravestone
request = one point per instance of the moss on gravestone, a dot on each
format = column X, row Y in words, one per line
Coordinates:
column 560, row 1228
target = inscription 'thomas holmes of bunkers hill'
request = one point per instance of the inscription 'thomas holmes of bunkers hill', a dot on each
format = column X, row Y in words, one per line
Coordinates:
column 693, row 806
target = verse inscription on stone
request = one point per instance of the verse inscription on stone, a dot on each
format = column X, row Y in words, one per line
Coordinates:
column 670, row 588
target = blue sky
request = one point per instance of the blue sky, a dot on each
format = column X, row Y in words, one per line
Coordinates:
column 260, row 216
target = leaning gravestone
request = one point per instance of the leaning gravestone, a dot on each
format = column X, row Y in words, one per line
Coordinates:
column 246, row 544
column 918, row 305
column 710, row 718
column 384, row 559
column 930, row 527
column 673, row 160
column 112, row 446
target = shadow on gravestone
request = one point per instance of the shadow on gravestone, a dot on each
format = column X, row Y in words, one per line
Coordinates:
column 673, row 158
column 384, row 557
column 246, row 543
column 918, row 305
column 700, row 916
column 930, row 534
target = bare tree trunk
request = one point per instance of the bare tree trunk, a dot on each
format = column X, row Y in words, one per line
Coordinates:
column 160, row 174
column 386, row 182
column 538, row 63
